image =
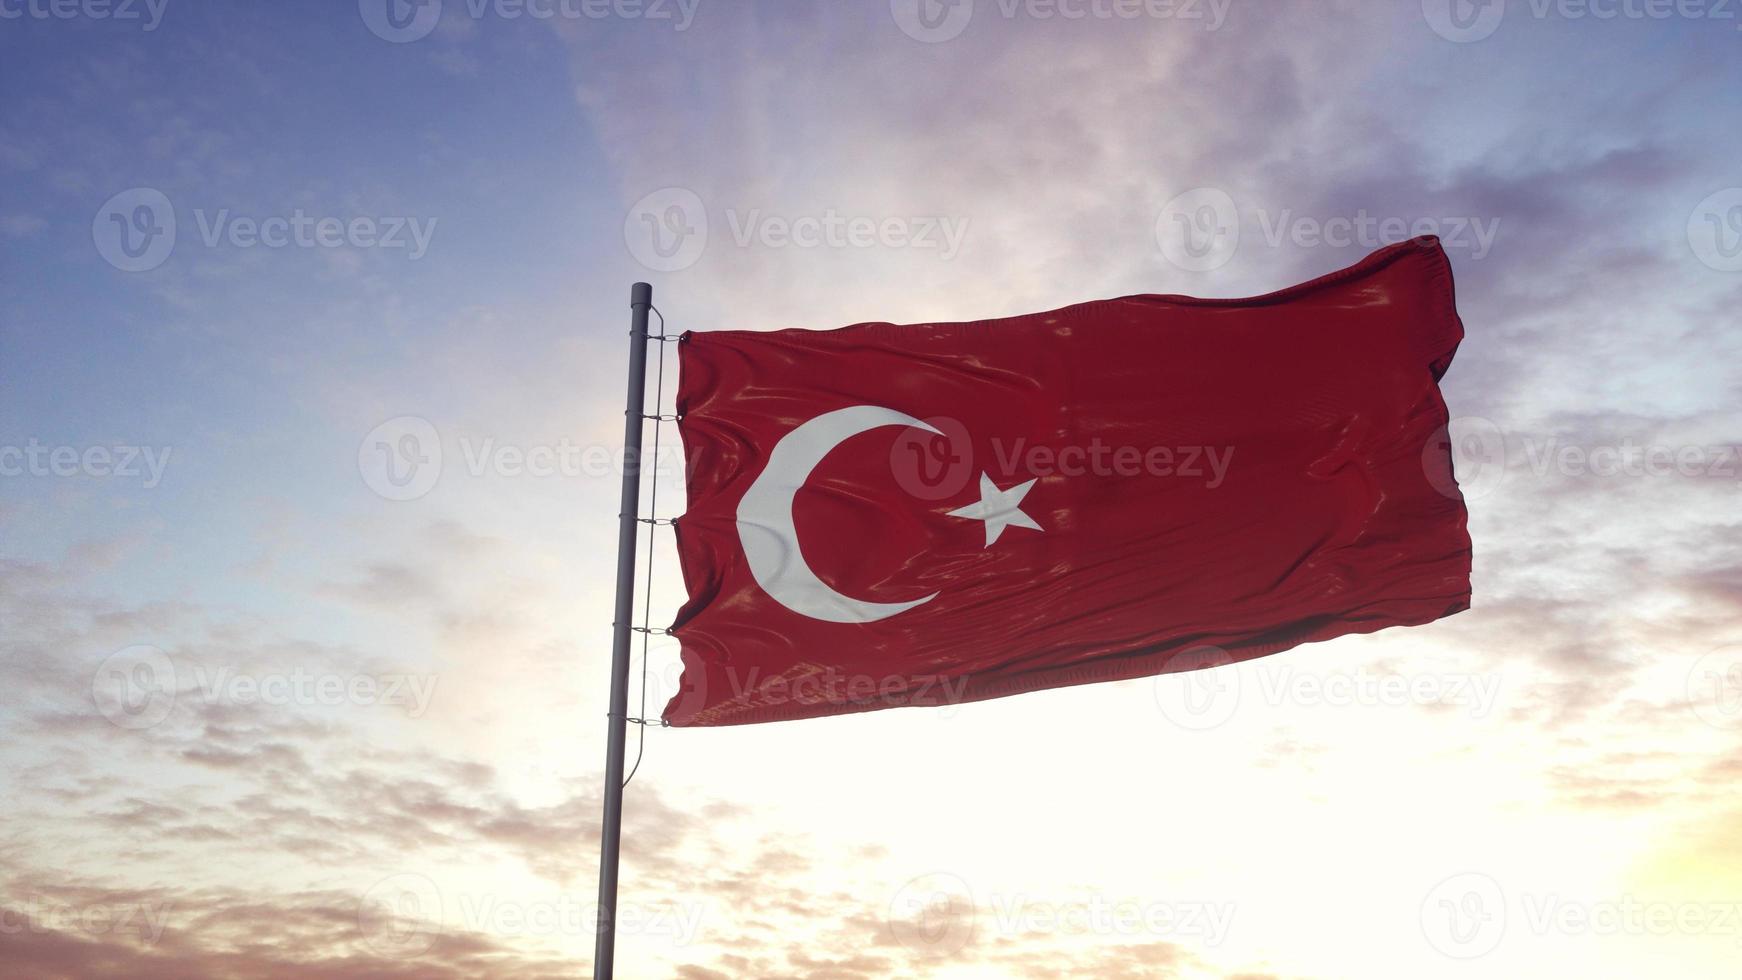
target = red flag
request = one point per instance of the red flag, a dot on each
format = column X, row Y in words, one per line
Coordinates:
column 932, row 513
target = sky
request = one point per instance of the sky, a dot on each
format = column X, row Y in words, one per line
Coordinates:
column 313, row 333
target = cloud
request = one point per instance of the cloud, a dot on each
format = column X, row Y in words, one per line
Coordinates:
column 56, row 933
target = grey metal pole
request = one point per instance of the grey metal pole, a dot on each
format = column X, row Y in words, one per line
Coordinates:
column 617, row 725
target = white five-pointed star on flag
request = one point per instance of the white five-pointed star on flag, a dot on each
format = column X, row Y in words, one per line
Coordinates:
column 998, row 508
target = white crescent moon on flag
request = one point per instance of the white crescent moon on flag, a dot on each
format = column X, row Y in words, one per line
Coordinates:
column 770, row 539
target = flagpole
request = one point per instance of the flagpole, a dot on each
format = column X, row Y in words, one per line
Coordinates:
column 617, row 723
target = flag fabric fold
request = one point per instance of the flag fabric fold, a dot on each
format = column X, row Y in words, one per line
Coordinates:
column 927, row 514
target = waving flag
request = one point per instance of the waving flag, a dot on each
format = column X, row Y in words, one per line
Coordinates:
column 931, row 513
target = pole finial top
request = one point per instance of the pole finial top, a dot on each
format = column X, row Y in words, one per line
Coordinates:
column 640, row 294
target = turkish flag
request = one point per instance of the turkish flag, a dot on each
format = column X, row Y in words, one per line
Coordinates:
column 933, row 513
